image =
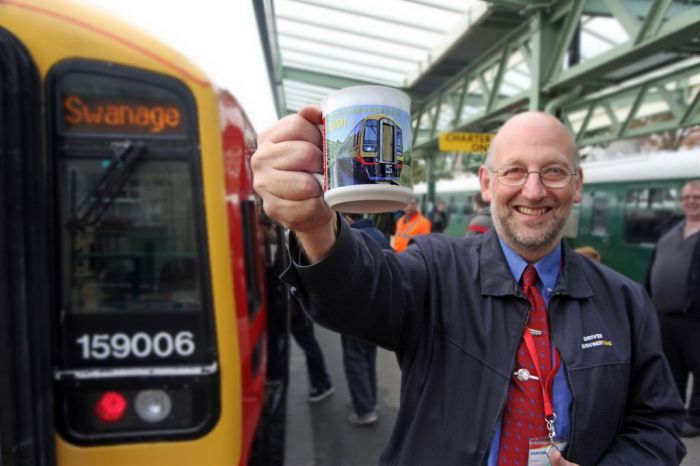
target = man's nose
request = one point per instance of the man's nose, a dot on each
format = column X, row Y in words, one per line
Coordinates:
column 533, row 187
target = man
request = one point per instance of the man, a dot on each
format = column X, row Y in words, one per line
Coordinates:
column 300, row 326
column 456, row 316
column 481, row 222
column 412, row 223
column 360, row 356
column 302, row 329
column 439, row 218
column 385, row 222
column 674, row 284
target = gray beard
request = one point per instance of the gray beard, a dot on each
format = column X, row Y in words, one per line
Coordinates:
column 519, row 240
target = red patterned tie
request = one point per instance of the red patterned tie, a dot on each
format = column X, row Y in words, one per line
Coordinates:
column 523, row 417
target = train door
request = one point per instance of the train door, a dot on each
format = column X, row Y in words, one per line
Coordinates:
column 601, row 234
column 387, row 153
column 26, row 420
column 591, row 222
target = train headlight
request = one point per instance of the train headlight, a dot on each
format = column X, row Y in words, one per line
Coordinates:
column 153, row 405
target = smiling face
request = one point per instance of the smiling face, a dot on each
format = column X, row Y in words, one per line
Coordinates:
column 531, row 218
column 690, row 201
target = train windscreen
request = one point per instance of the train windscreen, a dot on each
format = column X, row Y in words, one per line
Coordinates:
column 133, row 249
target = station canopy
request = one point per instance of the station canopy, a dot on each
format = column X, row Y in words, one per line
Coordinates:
column 317, row 46
column 610, row 69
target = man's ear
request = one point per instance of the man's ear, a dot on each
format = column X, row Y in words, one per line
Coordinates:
column 578, row 186
column 485, row 183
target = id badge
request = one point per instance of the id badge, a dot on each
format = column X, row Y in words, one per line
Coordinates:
column 537, row 452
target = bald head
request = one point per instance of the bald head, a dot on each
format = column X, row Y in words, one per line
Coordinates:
column 530, row 126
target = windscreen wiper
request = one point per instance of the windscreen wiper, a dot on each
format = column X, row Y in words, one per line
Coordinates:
column 104, row 191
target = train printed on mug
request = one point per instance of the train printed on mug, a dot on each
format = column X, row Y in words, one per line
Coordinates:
column 367, row 149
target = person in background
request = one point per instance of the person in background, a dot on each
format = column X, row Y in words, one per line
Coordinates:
column 589, row 251
column 385, row 222
column 411, row 223
column 302, row 329
column 300, row 326
column 360, row 356
column 673, row 281
column 513, row 348
column 439, row 218
column 481, row 221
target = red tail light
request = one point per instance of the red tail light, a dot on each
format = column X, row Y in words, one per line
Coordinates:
column 110, row 407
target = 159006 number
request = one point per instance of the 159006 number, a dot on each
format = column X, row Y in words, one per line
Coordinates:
column 141, row 345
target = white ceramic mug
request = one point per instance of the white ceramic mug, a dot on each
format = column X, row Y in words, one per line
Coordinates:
column 367, row 149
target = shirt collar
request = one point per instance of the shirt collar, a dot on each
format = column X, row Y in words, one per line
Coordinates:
column 547, row 267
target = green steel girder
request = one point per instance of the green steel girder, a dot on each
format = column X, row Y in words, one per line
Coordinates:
column 471, row 93
column 561, row 43
column 629, row 20
column 320, row 79
column 477, row 98
column 264, row 16
column 634, row 9
column 676, row 32
column 652, row 22
column 657, row 104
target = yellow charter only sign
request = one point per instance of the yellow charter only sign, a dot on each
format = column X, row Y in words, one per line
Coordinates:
column 465, row 142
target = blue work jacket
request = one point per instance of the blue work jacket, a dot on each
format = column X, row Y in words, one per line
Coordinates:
column 452, row 312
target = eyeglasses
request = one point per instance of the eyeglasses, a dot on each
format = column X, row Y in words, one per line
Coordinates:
column 693, row 197
column 552, row 177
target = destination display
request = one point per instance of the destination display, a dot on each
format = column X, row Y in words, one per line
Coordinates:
column 96, row 104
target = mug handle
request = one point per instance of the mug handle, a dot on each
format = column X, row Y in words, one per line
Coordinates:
column 319, row 178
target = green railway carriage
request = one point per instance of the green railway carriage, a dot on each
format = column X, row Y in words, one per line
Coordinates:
column 626, row 203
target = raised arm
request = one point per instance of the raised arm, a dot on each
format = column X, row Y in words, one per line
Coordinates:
column 287, row 155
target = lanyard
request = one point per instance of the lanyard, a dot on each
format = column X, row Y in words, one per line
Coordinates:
column 545, row 385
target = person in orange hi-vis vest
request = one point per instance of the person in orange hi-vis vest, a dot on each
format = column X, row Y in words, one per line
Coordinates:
column 412, row 223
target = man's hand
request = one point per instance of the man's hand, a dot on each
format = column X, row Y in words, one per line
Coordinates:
column 287, row 155
column 556, row 459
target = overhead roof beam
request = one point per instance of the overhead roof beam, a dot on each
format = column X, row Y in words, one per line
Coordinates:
column 669, row 92
column 340, row 44
column 522, row 5
column 365, row 14
column 621, row 10
column 340, row 69
column 355, row 32
column 675, row 32
column 636, row 10
column 322, row 79
column 445, row 7
column 341, row 59
column 652, row 21
column 665, row 33
column 264, row 16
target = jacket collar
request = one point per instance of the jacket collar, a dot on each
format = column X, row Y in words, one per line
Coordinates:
column 499, row 281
